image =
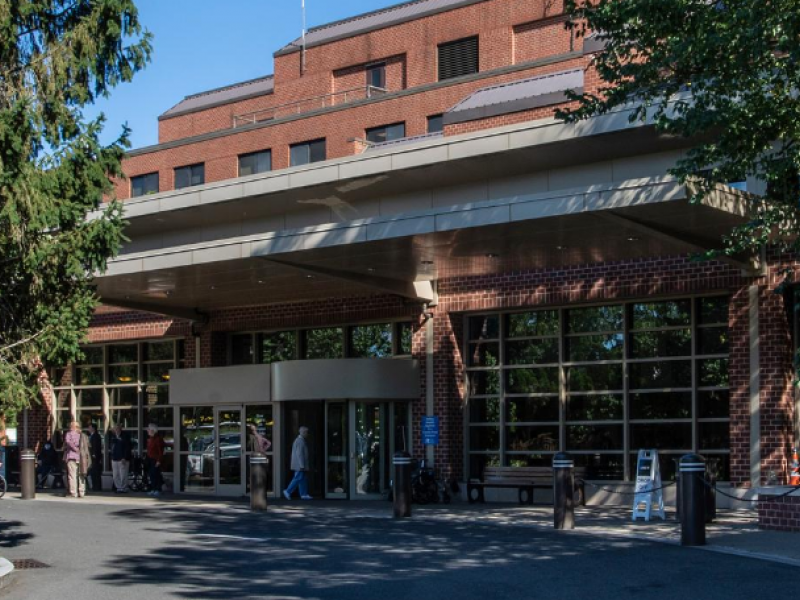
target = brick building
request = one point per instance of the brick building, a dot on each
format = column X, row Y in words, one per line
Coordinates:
column 392, row 226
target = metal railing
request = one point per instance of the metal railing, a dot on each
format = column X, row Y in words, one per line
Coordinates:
column 307, row 105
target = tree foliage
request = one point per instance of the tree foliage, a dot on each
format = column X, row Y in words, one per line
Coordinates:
column 56, row 56
column 725, row 73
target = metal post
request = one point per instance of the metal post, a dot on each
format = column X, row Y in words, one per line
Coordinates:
column 258, row 482
column 563, row 490
column 402, row 485
column 693, row 499
column 27, row 474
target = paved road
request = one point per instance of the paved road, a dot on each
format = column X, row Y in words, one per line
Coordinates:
column 224, row 552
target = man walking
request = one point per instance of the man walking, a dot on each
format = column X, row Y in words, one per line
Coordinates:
column 299, row 466
column 120, row 459
column 96, row 453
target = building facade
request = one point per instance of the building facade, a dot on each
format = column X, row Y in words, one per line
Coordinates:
column 394, row 226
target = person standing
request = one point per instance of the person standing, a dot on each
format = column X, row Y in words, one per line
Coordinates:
column 120, row 459
column 48, row 463
column 300, row 466
column 155, row 456
column 96, row 453
column 76, row 478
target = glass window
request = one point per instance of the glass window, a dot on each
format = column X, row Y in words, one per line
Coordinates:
column 598, row 318
column 532, row 324
column 590, row 348
column 371, row 341
column 242, row 349
column 526, row 410
column 484, row 354
column 278, row 346
column 404, row 336
column 386, row 133
column 128, row 353
column 484, row 410
column 484, row 327
column 458, row 58
column 376, row 75
column 159, row 351
column 142, row 185
column 255, row 162
column 190, row 175
column 595, row 407
column 662, row 314
column 435, row 123
column 123, row 397
column 324, row 343
column 306, row 152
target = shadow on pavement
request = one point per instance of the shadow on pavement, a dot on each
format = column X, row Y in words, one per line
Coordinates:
column 11, row 536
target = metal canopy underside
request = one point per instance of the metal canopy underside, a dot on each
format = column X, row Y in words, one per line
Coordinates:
column 660, row 228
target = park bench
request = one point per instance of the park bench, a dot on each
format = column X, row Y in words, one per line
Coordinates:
column 524, row 479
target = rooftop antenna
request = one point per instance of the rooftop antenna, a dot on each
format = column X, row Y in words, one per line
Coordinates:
column 303, row 43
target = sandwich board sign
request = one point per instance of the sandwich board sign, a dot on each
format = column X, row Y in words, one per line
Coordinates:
column 648, row 498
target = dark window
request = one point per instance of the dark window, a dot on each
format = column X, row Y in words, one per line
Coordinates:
column 307, row 152
column 141, row 185
column 435, row 123
column 376, row 75
column 386, row 133
column 458, row 58
column 242, row 349
column 189, row 176
column 255, row 162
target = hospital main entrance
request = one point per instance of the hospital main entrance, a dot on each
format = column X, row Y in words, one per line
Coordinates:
column 350, row 443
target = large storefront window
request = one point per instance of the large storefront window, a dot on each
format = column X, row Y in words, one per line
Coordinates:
column 600, row 383
column 125, row 384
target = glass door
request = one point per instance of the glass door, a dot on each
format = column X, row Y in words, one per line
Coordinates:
column 229, row 451
column 369, row 449
column 336, row 470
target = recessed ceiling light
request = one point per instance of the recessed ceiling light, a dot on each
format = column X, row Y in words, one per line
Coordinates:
column 370, row 269
column 561, row 247
column 213, row 287
column 633, row 238
column 261, row 282
column 491, row 255
column 309, row 277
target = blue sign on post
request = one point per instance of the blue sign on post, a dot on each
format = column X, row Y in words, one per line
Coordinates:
column 430, row 431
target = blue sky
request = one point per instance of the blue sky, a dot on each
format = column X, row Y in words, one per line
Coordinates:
column 203, row 44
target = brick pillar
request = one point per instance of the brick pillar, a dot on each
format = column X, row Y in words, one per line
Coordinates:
column 739, row 373
column 213, row 349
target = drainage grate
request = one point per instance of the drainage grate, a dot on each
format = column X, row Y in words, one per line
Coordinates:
column 28, row 563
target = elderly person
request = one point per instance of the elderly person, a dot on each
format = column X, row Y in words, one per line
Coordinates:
column 155, row 456
column 120, row 458
column 76, row 456
column 299, row 466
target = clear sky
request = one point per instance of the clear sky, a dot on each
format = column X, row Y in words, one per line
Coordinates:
column 204, row 44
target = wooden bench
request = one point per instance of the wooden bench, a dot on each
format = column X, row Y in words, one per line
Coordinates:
column 525, row 480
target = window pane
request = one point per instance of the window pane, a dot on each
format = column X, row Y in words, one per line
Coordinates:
column 278, row 346
column 198, row 174
column 601, row 466
column 594, row 437
column 484, row 383
column 532, row 352
column 521, row 410
column 317, row 151
column 156, row 395
column 661, row 405
column 713, row 372
column 599, row 318
column 484, row 327
column 543, row 380
column 242, row 349
column 299, row 155
column 197, row 472
column 159, row 351
column 712, row 340
column 530, row 460
column 257, row 162
column 386, row 133
column 435, row 123
column 189, row 176
column 719, row 465
column 587, row 348
column 543, row 322
column 484, row 438
column 484, row 410
column 142, row 185
column 128, row 353
column 162, row 417
column 653, row 344
column 376, row 76
column 405, row 332
column 594, row 378
column 123, row 374
column 371, row 341
column 662, row 314
column 92, row 355
column 324, row 343
column 714, row 436
column 484, row 354
column 668, row 464
column 125, row 396
column 664, row 374
column 530, row 437
column 479, row 462
column 713, row 310
column 94, row 417
column 197, row 428
column 662, row 436
column 261, row 417
column 157, row 372
column 595, row 407
column 125, row 418
column 90, row 376
column 89, row 399
column 713, row 404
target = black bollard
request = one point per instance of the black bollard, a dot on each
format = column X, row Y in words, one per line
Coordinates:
column 693, row 500
column 402, row 485
column 563, row 490
column 27, row 474
column 258, row 482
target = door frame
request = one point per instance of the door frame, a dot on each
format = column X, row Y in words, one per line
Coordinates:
column 385, row 418
column 345, row 494
column 229, row 490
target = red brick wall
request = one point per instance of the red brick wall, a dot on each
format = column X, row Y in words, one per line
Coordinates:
column 739, row 376
column 354, row 77
column 541, row 38
column 779, row 514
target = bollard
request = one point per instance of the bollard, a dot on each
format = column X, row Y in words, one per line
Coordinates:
column 563, row 490
column 258, row 482
column 402, row 485
column 693, row 500
column 27, row 474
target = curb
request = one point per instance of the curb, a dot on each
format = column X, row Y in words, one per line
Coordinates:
column 6, row 569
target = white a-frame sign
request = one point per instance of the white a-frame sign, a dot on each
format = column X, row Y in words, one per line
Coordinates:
column 648, row 498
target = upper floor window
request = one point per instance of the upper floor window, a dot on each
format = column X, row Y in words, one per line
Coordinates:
column 386, row 133
column 435, row 123
column 141, row 185
column 255, row 162
column 458, row 58
column 307, row 152
column 376, row 75
column 190, row 175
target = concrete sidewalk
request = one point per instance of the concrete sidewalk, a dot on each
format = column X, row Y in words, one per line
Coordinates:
column 733, row 532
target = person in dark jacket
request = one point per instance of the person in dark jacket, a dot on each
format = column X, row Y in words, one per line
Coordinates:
column 48, row 462
column 155, row 456
column 96, row 453
column 121, row 456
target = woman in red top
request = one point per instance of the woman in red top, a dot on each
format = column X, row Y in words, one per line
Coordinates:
column 155, row 455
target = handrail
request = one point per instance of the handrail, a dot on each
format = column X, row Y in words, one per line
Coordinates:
column 312, row 103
